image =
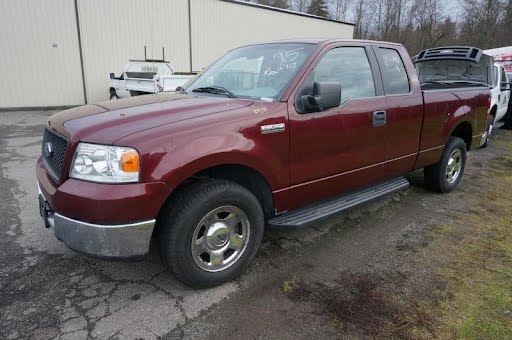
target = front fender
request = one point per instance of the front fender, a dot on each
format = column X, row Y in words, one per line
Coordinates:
column 190, row 157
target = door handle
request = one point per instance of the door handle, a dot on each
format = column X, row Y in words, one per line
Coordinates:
column 379, row 118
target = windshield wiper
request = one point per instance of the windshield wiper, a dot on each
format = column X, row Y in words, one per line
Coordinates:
column 215, row 90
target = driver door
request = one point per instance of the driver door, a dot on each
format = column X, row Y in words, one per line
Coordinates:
column 343, row 148
column 121, row 90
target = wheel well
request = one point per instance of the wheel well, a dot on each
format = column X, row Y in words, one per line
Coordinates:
column 242, row 175
column 493, row 111
column 465, row 132
column 112, row 90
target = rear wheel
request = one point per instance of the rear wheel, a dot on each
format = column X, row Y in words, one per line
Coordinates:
column 210, row 234
column 446, row 174
column 486, row 137
column 113, row 95
column 508, row 119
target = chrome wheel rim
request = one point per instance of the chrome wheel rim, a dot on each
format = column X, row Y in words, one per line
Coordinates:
column 220, row 238
column 454, row 166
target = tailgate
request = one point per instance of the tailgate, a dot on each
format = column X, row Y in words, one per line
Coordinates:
column 143, row 85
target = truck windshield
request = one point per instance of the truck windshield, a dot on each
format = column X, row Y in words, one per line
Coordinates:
column 260, row 72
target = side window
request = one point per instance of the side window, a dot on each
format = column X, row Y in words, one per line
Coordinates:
column 504, row 78
column 348, row 66
column 393, row 71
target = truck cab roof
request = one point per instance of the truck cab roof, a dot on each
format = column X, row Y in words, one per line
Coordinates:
column 318, row 41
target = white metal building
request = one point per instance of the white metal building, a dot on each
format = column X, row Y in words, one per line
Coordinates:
column 60, row 52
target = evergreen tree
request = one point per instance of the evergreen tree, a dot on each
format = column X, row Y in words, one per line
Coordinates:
column 275, row 3
column 318, row 8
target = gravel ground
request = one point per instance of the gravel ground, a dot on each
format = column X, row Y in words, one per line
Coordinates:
column 48, row 291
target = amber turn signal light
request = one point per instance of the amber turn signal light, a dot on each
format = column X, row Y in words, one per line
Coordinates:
column 130, row 161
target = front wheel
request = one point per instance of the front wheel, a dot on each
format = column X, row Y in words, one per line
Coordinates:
column 446, row 174
column 210, row 234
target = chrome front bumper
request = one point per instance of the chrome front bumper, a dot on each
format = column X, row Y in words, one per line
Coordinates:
column 109, row 241
column 114, row 241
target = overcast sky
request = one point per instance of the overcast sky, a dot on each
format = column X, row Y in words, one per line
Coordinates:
column 452, row 8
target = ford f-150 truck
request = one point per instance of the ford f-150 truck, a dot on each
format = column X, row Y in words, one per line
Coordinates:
column 278, row 134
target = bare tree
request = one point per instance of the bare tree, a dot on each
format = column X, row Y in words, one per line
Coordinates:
column 418, row 24
column 361, row 19
column 339, row 9
column 482, row 21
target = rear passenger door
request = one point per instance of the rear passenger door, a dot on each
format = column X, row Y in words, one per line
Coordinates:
column 342, row 148
column 404, row 108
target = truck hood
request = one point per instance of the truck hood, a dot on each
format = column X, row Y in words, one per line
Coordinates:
column 105, row 123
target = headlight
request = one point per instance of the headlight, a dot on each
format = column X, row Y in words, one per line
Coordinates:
column 104, row 163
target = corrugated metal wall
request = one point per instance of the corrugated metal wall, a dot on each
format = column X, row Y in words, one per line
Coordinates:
column 117, row 30
column 39, row 57
column 218, row 26
column 111, row 32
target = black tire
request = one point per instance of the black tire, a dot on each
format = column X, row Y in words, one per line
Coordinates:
column 436, row 175
column 178, row 221
column 488, row 130
column 113, row 95
column 508, row 119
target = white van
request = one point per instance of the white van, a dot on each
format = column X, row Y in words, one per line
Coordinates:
column 500, row 96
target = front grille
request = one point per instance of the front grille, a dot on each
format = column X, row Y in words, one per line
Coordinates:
column 54, row 150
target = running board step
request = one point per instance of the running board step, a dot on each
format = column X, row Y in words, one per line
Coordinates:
column 320, row 210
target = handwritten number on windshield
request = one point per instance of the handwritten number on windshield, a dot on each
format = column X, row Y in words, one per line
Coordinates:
column 286, row 61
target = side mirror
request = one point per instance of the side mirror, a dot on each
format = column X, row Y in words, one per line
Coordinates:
column 112, row 76
column 326, row 95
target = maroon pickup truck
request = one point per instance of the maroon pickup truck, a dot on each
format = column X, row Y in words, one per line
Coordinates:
column 279, row 134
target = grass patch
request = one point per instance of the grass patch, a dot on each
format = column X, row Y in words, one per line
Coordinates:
column 480, row 277
column 479, row 270
column 289, row 285
column 296, row 289
column 442, row 230
column 505, row 142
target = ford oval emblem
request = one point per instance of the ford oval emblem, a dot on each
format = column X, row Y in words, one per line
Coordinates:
column 48, row 149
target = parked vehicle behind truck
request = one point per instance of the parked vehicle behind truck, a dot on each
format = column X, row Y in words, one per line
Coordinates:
column 279, row 134
column 500, row 99
column 146, row 77
column 503, row 57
